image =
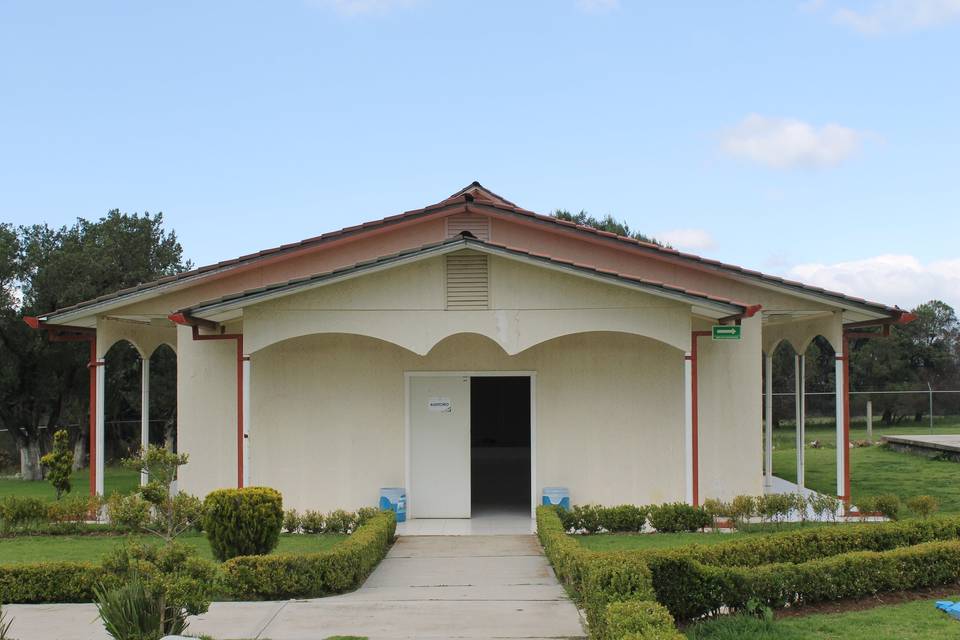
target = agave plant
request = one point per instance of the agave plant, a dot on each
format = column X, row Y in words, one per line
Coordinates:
column 5, row 626
column 132, row 612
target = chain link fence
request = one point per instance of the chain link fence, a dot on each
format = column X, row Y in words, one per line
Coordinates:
column 914, row 407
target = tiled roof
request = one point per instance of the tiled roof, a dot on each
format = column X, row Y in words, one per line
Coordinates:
column 478, row 196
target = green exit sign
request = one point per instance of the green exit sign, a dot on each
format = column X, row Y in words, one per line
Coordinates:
column 726, row 332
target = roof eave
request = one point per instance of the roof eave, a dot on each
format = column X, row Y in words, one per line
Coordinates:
column 719, row 308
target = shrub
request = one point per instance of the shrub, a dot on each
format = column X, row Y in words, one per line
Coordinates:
column 17, row 511
column 716, row 509
column 338, row 521
column 823, row 505
column 242, row 522
column 587, row 518
column 341, row 568
column 806, row 566
column 59, row 463
column 623, row 518
column 568, row 557
column 312, row 522
column 742, row 508
column 172, row 573
column 865, row 505
column 640, row 620
column 678, row 516
column 888, row 504
column 129, row 512
column 923, row 506
column 613, row 577
column 775, row 507
column 615, row 589
column 364, row 515
column 131, row 612
column 800, row 505
column 291, row 521
column 187, row 512
column 810, row 544
column 72, row 510
column 38, row 582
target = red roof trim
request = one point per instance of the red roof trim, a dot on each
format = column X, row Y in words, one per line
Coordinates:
column 467, row 241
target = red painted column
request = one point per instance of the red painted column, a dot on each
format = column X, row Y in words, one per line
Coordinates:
column 846, row 419
column 92, row 366
column 239, row 411
column 695, row 411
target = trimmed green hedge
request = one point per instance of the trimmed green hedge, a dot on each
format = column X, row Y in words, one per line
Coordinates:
column 790, row 568
column 781, row 568
column 49, row 582
column 342, row 568
column 821, row 542
column 640, row 620
column 691, row 589
column 338, row 569
column 614, row 589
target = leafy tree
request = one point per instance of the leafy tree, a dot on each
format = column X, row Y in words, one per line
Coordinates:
column 43, row 269
column 922, row 352
column 59, row 463
column 607, row 223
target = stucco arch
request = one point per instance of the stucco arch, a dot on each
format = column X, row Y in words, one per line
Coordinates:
column 172, row 345
column 118, row 342
column 145, row 338
column 514, row 331
column 771, row 349
column 802, row 332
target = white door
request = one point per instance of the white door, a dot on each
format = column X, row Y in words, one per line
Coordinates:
column 439, row 447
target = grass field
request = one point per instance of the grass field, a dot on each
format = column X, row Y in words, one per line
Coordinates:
column 873, row 470
column 93, row 547
column 911, row 621
column 114, row 479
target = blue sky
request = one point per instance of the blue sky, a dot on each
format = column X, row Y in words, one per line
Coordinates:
column 816, row 140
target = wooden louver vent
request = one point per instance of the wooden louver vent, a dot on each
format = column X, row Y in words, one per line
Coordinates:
column 479, row 226
column 468, row 281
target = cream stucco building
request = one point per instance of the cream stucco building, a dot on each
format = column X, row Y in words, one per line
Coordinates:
column 472, row 352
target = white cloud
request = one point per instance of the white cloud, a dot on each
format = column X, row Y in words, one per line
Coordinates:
column 688, row 239
column 885, row 16
column 363, row 7
column 787, row 143
column 598, row 6
column 892, row 279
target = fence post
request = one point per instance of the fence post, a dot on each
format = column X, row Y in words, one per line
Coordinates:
column 869, row 420
column 930, row 389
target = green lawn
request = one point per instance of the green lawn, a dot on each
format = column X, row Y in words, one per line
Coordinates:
column 94, row 547
column 114, row 479
column 630, row 541
column 873, row 470
column 918, row 620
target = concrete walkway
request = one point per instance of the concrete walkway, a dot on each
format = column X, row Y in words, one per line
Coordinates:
column 427, row 587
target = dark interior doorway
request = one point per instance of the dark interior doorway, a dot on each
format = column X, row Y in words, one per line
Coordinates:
column 500, row 442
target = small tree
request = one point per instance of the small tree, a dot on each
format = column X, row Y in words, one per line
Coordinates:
column 59, row 463
column 172, row 513
column 170, row 580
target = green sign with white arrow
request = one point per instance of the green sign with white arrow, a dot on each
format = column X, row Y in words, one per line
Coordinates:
column 726, row 332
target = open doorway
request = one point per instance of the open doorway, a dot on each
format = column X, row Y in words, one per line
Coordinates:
column 500, row 443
